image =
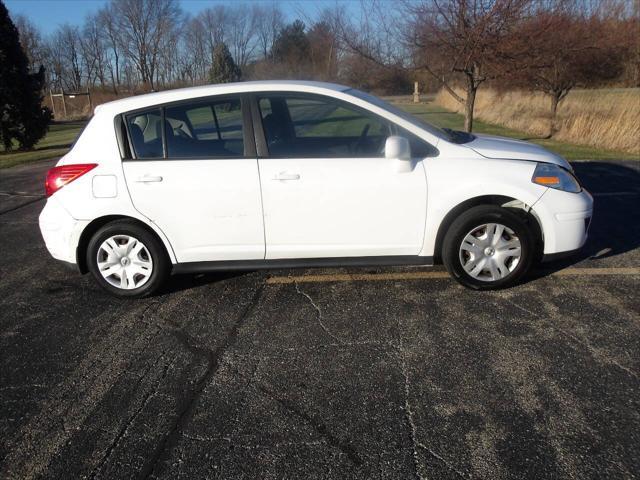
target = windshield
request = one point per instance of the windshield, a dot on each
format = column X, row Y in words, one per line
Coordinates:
column 445, row 134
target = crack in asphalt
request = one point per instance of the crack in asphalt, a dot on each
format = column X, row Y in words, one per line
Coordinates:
column 21, row 194
column 420, row 470
column 259, row 446
column 595, row 352
column 321, row 428
column 125, row 428
column 322, row 325
column 38, row 441
column 213, row 359
column 17, row 207
column 412, row 426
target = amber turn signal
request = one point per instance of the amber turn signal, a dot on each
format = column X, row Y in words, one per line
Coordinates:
column 546, row 180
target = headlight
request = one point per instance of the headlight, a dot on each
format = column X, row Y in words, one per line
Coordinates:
column 554, row 176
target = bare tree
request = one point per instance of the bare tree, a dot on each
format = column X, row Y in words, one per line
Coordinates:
column 241, row 34
column 167, row 71
column 214, row 23
column 323, row 48
column 454, row 41
column 142, row 25
column 94, row 50
column 467, row 39
column 31, row 42
column 109, row 29
column 269, row 20
column 578, row 49
column 65, row 53
column 195, row 60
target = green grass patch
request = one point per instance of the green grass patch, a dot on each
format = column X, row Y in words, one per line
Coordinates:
column 445, row 119
column 56, row 143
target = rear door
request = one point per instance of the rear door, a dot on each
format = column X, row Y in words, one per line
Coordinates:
column 193, row 171
column 328, row 191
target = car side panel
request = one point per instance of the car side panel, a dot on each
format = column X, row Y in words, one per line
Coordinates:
column 210, row 209
column 452, row 181
column 98, row 144
column 342, row 207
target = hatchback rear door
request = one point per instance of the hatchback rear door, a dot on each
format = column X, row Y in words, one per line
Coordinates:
column 193, row 171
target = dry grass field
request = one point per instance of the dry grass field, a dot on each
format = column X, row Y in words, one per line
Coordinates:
column 603, row 118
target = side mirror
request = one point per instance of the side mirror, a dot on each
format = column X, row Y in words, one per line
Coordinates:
column 397, row 148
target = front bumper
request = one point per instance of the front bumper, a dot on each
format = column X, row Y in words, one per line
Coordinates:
column 60, row 231
column 565, row 219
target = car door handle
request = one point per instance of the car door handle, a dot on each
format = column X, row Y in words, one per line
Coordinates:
column 148, row 179
column 287, row 176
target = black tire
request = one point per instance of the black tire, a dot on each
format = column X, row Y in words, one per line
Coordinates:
column 160, row 260
column 473, row 218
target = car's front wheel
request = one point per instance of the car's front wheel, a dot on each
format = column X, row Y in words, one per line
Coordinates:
column 488, row 247
column 126, row 260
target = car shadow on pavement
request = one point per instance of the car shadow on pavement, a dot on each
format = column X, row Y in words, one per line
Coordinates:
column 615, row 226
column 177, row 283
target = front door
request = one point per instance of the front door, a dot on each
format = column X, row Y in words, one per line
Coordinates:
column 202, row 188
column 327, row 189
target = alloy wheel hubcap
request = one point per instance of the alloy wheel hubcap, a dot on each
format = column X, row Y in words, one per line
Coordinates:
column 490, row 252
column 124, row 262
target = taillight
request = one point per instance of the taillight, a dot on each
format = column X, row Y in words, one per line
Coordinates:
column 58, row 177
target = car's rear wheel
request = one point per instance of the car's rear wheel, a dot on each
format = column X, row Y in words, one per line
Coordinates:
column 488, row 247
column 127, row 260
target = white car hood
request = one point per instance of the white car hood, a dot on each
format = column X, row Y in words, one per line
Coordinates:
column 508, row 148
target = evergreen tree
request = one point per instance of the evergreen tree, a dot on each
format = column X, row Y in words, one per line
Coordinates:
column 292, row 43
column 293, row 49
column 223, row 69
column 22, row 118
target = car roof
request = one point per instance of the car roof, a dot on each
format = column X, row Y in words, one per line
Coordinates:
column 150, row 99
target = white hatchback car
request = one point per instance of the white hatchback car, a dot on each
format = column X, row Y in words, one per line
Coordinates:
column 300, row 174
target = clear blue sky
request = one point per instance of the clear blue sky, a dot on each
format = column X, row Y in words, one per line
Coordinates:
column 47, row 15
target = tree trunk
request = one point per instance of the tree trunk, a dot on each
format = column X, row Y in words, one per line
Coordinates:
column 555, row 100
column 469, row 105
column 116, row 80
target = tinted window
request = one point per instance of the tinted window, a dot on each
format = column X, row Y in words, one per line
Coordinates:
column 311, row 126
column 204, row 130
column 145, row 130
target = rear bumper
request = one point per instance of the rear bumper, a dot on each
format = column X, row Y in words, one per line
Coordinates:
column 60, row 231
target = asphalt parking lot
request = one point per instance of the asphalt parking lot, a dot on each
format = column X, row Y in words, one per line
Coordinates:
column 345, row 373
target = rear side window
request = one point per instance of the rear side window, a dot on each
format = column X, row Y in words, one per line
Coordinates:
column 145, row 133
column 205, row 130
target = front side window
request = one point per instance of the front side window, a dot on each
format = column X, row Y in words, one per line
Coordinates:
column 377, row 101
column 145, row 132
column 312, row 126
column 212, row 129
column 419, row 147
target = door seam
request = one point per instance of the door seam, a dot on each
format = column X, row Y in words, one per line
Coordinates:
column 264, row 224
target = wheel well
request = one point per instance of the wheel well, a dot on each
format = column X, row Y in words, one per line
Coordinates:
column 97, row 224
column 499, row 200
